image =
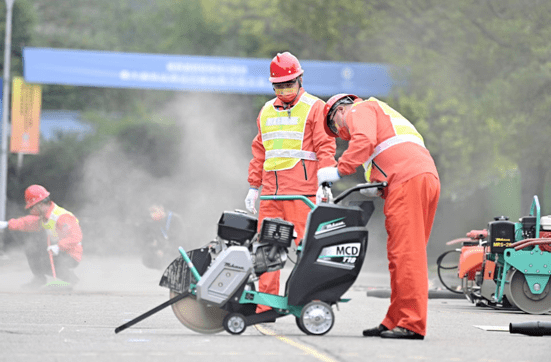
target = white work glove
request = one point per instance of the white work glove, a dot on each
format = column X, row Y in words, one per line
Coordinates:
column 3, row 225
column 54, row 249
column 328, row 174
column 250, row 200
column 324, row 195
column 371, row 192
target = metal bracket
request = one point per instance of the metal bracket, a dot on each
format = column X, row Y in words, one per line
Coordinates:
column 534, row 264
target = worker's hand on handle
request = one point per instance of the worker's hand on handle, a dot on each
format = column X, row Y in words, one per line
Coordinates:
column 3, row 225
column 250, row 200
column 328, row 174
column 372, row 192
column 324, row 194
column 54, row 249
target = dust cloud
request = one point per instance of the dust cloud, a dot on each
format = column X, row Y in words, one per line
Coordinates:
column 212, row 177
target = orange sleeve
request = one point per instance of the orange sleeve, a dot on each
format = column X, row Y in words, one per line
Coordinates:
column 30, row 223
column 69, row 232
column 324, row 145
column 256, row 165
column 362, row 123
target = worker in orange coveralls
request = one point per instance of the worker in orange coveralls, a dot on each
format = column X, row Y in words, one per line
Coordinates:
column 290, row 147
column 391, row 149
column 64, row 237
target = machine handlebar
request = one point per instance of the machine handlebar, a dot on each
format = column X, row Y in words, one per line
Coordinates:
column 379, row 185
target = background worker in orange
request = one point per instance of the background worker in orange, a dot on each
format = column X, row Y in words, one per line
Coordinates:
column 64, row 237
column 290, row 147
column 381, row 137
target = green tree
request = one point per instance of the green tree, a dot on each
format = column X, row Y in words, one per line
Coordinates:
column 481, row 69
column 21, row 33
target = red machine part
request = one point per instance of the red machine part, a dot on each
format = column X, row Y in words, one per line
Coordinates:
column 547, row 235
column 489, row 268
column 544, row 242
column 470, row 261
column 478, row 234
column 473, row 235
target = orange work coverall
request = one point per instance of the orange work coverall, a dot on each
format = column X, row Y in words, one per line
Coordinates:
column 411, row 199
column 67, row 227
column 299, row 180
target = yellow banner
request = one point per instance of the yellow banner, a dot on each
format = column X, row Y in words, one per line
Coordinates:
column 25, row 117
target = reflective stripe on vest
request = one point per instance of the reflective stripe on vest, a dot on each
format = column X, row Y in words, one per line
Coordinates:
column 283, row 134
column 405, row 132
column 49, row 225
column 307, row 155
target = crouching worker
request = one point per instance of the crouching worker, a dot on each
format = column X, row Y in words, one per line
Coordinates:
column 63, row 242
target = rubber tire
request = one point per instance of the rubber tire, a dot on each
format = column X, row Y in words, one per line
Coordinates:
column 299, row 325
column 327, row 313
column 234, row 323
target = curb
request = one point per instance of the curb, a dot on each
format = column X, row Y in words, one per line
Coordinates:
column 433, row 294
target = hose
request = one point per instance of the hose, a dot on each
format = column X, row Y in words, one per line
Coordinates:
column 440, row 267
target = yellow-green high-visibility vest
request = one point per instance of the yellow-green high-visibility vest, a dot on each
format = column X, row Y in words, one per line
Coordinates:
column 49, row 225
column 283, row 134
column 405, row 132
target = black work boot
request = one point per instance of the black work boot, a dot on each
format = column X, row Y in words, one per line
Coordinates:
column 401, row 333
column 375, row 331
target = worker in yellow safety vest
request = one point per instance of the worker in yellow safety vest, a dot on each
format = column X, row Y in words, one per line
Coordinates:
column 290, row 147
column 63, row 242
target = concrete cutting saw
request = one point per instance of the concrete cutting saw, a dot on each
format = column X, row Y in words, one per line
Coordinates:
column 508, row 265
column 213, row 288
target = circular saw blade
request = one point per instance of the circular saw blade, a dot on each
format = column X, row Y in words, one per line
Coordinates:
column 520, row 294
column 198, row 316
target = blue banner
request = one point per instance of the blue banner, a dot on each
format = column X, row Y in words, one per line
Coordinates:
column 195, row 73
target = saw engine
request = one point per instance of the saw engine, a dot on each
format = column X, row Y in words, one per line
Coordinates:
column 233, row 266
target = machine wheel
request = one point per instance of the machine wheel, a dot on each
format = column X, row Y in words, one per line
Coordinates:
column 299, row 325
column 197, row 316
column 447, row 265
column 507, row 300
column 234, row 323
column 317, row 318
column 520, row 295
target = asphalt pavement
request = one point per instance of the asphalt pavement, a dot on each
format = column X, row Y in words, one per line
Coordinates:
column 78, row 325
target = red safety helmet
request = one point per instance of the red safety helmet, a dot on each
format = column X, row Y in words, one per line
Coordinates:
column 331, row 107
column 34, row 194
column 157, row 212
column 284, row 67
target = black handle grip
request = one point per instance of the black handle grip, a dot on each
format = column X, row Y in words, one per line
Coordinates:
column 359, row 187
column 536, row 328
